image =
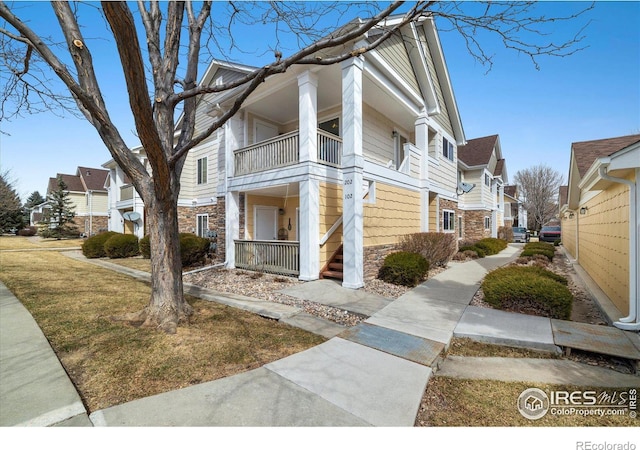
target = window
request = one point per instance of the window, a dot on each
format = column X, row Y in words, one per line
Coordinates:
column 202, row 170
column 447, row 149
column 331, row 126
column 448, row 220
column 487, row 180
column 487, row 222
column 202, row 224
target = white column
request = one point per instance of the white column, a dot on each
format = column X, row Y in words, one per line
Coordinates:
column 309, row 232
column 422, row 142
column 232, row 225
column 308, row 116
column 352, row 168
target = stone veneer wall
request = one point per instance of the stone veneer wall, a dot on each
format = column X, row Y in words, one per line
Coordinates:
column 373, row 258
column 95, row 224
column 474, row 225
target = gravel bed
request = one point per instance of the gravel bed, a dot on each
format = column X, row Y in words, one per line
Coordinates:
column 265, row 286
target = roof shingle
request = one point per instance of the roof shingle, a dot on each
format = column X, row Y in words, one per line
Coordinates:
column 586, row 152
column 477, row 151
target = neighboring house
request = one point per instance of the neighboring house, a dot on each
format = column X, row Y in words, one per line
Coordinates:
column 125, row 207
column 88, row 195
column 324, row 168
column 480, row 163
column 514, row 207
column 600, row 218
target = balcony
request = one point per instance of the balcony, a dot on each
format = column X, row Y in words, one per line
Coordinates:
column 126, row 193
column 278, row 257
column 284, row 151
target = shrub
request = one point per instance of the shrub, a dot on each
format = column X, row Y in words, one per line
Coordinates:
column 491, row 246
column 465, row 254
column 539, row 245
column 404, row 268
column 477, row 250
column 436, row 248
column 93, row 247
column 28, row 231
column 145, row 247
column 193, row 249
column 556, row 243
column 122, row 246
column 537, row 251
column 529, row 289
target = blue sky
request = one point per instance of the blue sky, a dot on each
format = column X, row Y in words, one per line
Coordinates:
column 537, row 113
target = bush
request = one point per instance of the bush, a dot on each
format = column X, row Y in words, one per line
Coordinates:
column 538, row 251
column 28, row 231
column 122, row 246
column 557, row 242
column 528, row 289
column 436, row 248
column 404, row 268
column 480, row 253
column 539, row 245
column 193, row 249
column 93, row 247
column 145, row 247
column 491, row 246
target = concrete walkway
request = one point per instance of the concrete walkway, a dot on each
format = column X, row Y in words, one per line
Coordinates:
column 374, row 374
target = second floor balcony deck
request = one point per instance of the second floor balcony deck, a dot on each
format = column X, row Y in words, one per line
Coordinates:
column 283, row 151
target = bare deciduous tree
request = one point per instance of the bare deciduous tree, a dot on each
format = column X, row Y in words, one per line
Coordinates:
column 539, row 187
column 158, row 90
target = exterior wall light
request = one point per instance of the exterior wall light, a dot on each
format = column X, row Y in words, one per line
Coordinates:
column 583, row 210
column 571, row 215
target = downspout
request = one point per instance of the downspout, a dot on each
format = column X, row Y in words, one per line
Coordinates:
column 632, row 321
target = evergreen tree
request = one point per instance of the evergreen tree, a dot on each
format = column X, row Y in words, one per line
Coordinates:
column 11, row 218
column 61, row 213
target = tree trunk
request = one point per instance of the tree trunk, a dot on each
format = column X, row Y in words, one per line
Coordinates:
column 167, row 307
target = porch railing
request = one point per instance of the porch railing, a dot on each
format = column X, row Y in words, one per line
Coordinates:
column 280, row 151
column 329, row 149
column 284, row 151
column 126, row 193
column 279, row 257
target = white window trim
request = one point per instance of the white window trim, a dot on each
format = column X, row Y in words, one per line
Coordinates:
column 487, row 222
column 444, row 223
column 198, row 217
column 200, row 180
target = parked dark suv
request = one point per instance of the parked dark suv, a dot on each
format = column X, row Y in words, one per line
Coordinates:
column 550, row 234
column 521, row 234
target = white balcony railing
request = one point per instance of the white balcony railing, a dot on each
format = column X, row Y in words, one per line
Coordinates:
column 126, row 193
column 279, row 257
column 284, row 151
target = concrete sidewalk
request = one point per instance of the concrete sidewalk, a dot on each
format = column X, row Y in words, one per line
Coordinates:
column 34, row 389
column 374, row 374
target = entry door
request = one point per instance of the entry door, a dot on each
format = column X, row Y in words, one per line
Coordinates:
column 264, row 131
column 266, row 223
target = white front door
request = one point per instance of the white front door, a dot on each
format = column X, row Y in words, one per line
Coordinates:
column 266, row 223
column 264, row 131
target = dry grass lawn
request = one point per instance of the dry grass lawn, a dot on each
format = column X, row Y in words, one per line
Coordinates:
column 35, row 242
column 112, row 363
column 137, row 263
